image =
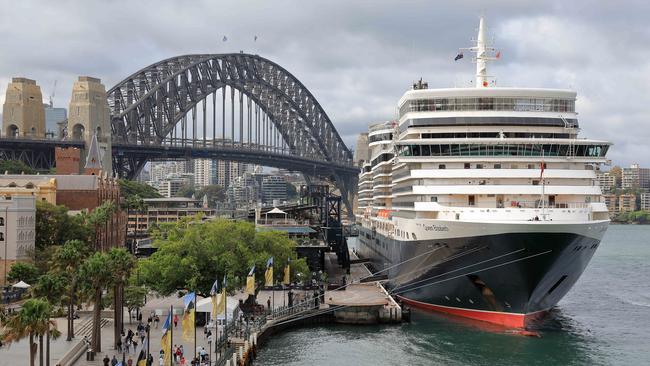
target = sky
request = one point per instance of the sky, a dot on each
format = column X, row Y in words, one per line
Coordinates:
column 356, row 57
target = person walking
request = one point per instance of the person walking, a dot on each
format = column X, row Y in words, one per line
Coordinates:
column 175, row 320
column 106, row 360
column 268, row 304
column 114, row 361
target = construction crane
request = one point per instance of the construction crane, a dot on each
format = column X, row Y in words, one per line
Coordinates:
column 52, row 95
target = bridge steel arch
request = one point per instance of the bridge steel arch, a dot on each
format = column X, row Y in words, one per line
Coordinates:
column 146, row 107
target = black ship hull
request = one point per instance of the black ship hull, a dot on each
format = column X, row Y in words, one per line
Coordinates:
column 508, row 278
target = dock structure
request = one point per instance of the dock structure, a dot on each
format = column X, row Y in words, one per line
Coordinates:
column 351, row 302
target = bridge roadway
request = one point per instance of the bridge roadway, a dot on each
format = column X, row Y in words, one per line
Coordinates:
column 235, row 152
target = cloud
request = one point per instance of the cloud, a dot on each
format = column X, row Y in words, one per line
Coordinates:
column 356, row 57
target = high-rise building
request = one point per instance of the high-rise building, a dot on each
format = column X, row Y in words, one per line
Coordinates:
column 274, row 188
column 627, row 202
column 635, row 177
column 606, row 181
column 163, row 170
column 361, row 150
column 205, row 172
column 645, row 202
column 611, row 201
column 243, row 191
column 53, row 117
column 227, row 171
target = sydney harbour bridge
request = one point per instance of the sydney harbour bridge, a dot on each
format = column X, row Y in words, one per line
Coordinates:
column 236, row 107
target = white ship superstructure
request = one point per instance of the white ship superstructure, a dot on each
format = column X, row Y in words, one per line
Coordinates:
column 471, row 166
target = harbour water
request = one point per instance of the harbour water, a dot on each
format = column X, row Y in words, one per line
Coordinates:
column 604, row 320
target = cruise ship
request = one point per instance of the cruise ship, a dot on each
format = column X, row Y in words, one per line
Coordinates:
column 482, row 202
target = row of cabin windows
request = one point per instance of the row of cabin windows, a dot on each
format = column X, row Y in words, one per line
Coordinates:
column 503, row 150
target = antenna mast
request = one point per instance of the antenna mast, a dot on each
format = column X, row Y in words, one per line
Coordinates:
column 482, row 56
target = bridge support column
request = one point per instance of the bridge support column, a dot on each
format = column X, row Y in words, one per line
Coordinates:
column 23, row 113
column 89, row 115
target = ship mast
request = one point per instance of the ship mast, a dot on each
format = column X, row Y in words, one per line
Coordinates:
column 481, row 59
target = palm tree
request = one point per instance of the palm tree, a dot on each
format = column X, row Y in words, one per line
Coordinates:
column 33, row 320
column 67, row 259
column 121, row 263
column 95, row 275
column 50, row 286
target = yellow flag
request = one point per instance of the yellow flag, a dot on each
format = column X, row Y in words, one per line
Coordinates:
column 287, row 278
column 221, row 304
column 250, row 285
column 215, row 306
column 268, row 277
column 188, row 325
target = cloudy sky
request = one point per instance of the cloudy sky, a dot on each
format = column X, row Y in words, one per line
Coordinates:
column 356, row 57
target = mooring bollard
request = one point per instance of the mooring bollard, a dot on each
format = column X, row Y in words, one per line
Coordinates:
column 255, row 338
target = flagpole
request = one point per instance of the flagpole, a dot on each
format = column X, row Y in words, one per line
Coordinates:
column 194, row 321
column 171, row 335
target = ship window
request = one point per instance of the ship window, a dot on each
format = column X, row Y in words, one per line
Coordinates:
column 531, row 166
column 479, row 166
column 466, row 165
column 434, row 198
column 471, row 200
column 497, row 166
column 442, row 166
column 414, row 237
column 535, row 182
column 407, row 235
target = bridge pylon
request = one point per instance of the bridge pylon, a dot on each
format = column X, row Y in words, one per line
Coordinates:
column 89, row 115
column 23, row 113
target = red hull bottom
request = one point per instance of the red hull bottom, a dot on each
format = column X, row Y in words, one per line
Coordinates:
column 509, row 320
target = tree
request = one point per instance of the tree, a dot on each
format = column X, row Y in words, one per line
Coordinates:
column 55, row 226
column 15, row 167
column 215, row 193
column 96, row 274
column 134, row 298
column 292, row 192
column 121, row 264
column 130, row 188
column 66, row 260
column 33, row 320
column 23, row 271
column 187, row 190
column 192, row 254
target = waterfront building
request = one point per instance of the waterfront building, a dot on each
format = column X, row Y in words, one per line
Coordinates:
column 611, row 201
column 606, row 181
column 645, row 201
column 23, row 114
column 163, row 210
column 274, row 189
column 635, row 177
column 17, row 231
column 627, row 203
column 361, row 150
